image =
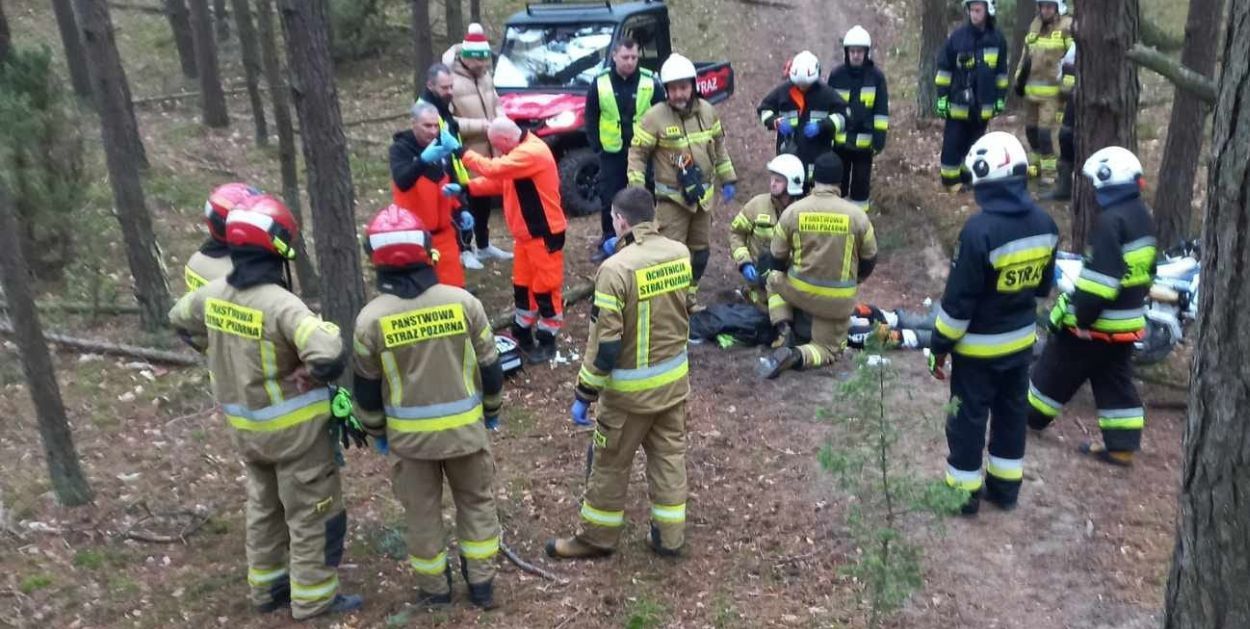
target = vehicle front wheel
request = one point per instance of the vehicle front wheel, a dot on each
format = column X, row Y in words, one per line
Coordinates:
column 579, row 182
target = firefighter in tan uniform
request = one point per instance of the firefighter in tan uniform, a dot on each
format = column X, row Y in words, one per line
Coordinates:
column 682, row 141
column 822, row 248
column 213, row 258
column 428, row 383
column 269, row 355
column 751, row 231
column 635, row 367
column 1039, row 81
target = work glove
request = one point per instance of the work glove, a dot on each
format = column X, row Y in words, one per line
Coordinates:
column 350, row 429
column 750, row 273
column 464, row 222
column 944, row 106
column 784, row 127
column 937, row 365
column 381, row 445
column 581, row 412
column 452, row 189
column 609, row 246
column 1000, row 106
column 811, row 129
column 448, row 141
column 728, row 191
column 434, row 153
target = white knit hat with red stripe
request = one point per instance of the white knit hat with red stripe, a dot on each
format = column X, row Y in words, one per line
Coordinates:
column 475, row 44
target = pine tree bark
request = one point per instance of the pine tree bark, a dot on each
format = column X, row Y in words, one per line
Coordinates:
column 1183, row 148
column 71, row 40
column 221, row 19
column 117, row 128
column 1211, row 562
column 64, row 469
column 475, row 11
column 180, row 23
column 932, row 37
column 422, row 43
column 455, row 19
column 1106, row 101
column 6, row 41
column 212, row 98
column 1026, row 10
column 249, row 45
column 305, row 270
column 306, row 29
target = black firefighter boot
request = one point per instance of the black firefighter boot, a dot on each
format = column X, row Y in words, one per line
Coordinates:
column 524, row 337
column 546, row 349
column 280, row 596
column 427, row 600
column 657, row 546
column 972, row 505
column 779, row 360
column 480, row 594
column 1063, row 183
column 574, row 548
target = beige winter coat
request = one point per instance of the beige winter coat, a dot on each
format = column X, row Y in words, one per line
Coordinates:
column 474, row 102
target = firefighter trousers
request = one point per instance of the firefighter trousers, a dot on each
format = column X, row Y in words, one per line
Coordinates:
column 419, row 487
column 612, row 179
column 537, row 286
column 690, row 227
column 993, row 391
column 1066, row 363
column 1041, row 117
column 618, row 434
column 296, row 522
column 856, row 176
column 828, row 335
column 957, row 139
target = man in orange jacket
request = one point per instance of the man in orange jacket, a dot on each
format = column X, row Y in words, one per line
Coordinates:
column 526, row 175
column 419, row 170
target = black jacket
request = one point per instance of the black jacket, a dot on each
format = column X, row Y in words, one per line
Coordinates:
column 821, row 104
column 972, row 71
column 406, row 164
column 1005, row 260
column 1119, row 264
column 864, row 89
column 626, row 91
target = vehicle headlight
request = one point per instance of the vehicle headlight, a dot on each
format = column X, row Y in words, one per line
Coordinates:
column 562, row 120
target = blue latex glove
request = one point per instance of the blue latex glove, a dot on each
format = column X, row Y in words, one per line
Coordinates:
column 434, row 153
column 465, row 221
column 448, row 141
column 492, row 423
column 580, row 412
column 609, row 246
column 452, row 189
column 784, row 127
column 381, row 445
column 750, row 273
column 728, row 192
column 811, row 129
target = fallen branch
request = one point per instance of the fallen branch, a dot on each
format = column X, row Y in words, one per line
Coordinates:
column 528, row 567
column 572, row 296
column 142, row 8
column 197, row 520
column 113, row 349
column 161, row 98
column 78, row 307
column 1182, row 77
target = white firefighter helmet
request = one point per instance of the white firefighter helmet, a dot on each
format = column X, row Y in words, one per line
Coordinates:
column 857, row 37
column 989, row 6
column 804, row 69
column 1112, row 166
column 677, row 68
column 790, row 168
column 1061, row 7
column 996, row 156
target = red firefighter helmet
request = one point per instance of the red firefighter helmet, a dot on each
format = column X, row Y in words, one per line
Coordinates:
column 265, row 222
column 397, row 238
column 224, row 198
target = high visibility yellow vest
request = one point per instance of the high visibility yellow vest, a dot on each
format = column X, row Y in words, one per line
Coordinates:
column 610, row 135
column 459, row 173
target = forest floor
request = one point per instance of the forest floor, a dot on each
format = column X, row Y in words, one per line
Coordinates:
column 1088, row 547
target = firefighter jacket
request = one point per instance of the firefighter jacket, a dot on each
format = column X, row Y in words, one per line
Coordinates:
column 667, row 139
column 256, row 339
column 1045, row 46
column 614, row 105
column 473, row 101
column 868, row 101
column 209, row 263
column 418, row 187
column 972, row 72
column 427, row 372
column 1005, row 259
column 751, row 231
column 1119, row 269
column 820, row 103
column 636, row 356
column 823, row 240
column 530, row 184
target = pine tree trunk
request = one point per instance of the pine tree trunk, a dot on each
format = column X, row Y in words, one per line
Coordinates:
column 455, row 19
column 117, row 126
column 932, row 37
column 422, row 43
column 184, row 40
column 305, row 270
column 66, row 473
column 1026, row 10
column 71, row 40
column 6, row 42
column 221, row 18
column 1183, row 149
column 212, row 98
column 1211, row 563
column 1106, row 101
column 475, row 11
column 251, row 67
column 306, row 29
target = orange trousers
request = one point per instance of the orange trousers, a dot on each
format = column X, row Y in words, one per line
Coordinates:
column 537, row 283
column 449, row 269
